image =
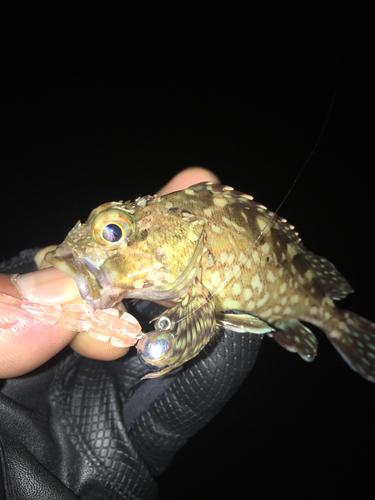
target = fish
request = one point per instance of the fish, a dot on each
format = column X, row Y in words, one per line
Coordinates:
column 214, row 258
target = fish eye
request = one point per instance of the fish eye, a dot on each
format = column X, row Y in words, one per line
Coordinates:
column 112, row 233
column 111, row 227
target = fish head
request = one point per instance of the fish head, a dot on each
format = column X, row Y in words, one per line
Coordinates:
column 88, row 249
column 132, row 250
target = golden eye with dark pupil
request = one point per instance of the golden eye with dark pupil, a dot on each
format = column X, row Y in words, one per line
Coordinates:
column 112, row 233
column 111, row 227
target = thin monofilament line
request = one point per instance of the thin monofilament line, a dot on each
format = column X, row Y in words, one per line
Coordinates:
column 309, row 157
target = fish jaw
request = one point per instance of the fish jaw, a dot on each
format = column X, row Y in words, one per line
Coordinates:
column 92, row 283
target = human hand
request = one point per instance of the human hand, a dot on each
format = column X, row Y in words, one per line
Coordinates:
column 27, row 342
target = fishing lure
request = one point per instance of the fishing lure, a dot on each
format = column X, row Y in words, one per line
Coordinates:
column 116, row 325
column 213, row 257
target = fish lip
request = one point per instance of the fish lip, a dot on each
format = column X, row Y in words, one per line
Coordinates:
column 62, row 258
column 90, row 279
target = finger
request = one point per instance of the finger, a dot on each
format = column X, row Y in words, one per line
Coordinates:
column 188, row 177
column 48, row 285
column 26, row 342
column 93, row 348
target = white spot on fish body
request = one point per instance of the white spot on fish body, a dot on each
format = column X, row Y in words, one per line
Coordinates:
column 215, row 228
column 328, row 301
column 255, row 257
column 208, row 211
column 138, row 283
column 301, row 279
column 216, row 278
column 231, row 258
column 265, row 247
column 344, row 327
column 267, row 314
column 309, row 275
column 256, row 283
column 291, row 250
column 239, row 228
column 236, row 289
column 229, row 303
column 230, row 238
column 220, row 202
column 223, row 257
column 335, row 334
column 271, row 277
column 294, row 299
column 241, row 256
column 263, row 300
column 193, row 237
column 261, row 223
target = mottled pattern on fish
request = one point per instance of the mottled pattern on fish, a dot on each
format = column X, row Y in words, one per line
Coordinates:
column 213, row 255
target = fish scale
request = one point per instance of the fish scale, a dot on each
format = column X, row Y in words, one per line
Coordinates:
column 214, row 257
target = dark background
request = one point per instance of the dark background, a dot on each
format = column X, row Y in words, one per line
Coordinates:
column 103, row 102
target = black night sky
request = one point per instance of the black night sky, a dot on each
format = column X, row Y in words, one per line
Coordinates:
column 106, row 101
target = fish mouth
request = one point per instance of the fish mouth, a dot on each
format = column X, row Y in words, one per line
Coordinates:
column 90, row 278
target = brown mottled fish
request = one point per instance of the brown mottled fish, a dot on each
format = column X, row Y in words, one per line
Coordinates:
column 212, row 256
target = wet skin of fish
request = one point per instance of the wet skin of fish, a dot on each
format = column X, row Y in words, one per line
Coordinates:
column 213, row 257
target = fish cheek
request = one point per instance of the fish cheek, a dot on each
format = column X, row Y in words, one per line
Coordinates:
column 116, row 270
column 129, row 270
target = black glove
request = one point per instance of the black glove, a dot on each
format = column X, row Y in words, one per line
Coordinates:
column 88, row 429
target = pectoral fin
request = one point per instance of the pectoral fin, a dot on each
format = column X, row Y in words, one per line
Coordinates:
column 181, row 332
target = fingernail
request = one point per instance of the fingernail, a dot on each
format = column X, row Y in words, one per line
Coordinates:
column 48, row 285
column 7, row 285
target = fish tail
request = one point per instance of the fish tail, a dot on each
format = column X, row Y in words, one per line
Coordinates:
column 354, row 338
